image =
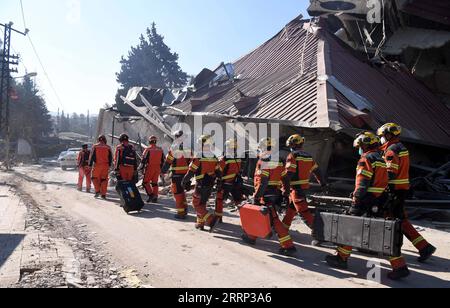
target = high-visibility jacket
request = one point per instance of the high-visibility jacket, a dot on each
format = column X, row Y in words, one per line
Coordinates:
column 83, row 158
column 101, row 154
column 371, row 175
column 397, row 160
column 179, row 161
column 201, row 167
column 302, row 165
column 153, row 157
column 274, row 171
column 125, row 156
column 230, row 168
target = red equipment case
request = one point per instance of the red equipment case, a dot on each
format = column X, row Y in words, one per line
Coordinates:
column 256, row 221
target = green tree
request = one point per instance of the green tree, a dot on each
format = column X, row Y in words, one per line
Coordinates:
column 30, row 118
column 151, row 63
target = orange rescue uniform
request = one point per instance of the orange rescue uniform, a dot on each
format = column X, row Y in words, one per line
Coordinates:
column 230, row 170
column 101, row 161
column 125, row 161
column 84, row 171
column 301, row 164
column 153, row 162
column 178, row 161
column 371, row 184
column 397, row 159
column 268, row 184
column 205, row 171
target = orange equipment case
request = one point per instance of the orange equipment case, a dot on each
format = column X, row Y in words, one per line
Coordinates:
column 256, row 221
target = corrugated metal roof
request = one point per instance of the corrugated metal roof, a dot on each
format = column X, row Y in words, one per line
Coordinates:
column 283, row 74
column 435, row 10
column 396, row 95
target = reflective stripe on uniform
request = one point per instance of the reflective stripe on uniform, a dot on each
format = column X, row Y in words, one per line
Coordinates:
column 304, row 159
column 367, row 173
column 195, row 167
column 403, row 154
column 376, row 190
column 379, row 164
column 304, row 182
column 285, row 239
column 393, row 166
column 229, row 177
column 344, row 251
column 265, row 173
column 237, row 161
column 275, row 183
column 399, row 182
column 418, row 240
column 208, row 160
column 179, row 168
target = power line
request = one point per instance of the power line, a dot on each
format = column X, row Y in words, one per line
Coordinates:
column 23, row 14
column 26, row 70
column 45, row 73
column 58, row 98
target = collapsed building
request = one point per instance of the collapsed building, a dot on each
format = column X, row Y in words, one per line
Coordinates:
column 309, row 81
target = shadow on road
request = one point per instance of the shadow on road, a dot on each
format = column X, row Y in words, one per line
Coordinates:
column 8, row 243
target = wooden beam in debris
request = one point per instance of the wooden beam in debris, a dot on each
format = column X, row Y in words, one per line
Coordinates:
column 153, row 121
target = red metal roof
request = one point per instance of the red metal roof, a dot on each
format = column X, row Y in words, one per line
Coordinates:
column 283, row 74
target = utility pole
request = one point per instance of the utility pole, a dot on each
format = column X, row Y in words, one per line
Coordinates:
column 7, row 60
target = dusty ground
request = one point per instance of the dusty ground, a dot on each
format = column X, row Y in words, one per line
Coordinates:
column 163, row 252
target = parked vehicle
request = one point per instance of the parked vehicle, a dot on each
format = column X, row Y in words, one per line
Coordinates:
column 68, row 159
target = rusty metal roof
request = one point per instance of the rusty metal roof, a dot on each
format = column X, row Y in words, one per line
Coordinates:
column 287, row 77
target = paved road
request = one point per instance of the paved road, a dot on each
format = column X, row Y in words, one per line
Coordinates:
column 168, row 253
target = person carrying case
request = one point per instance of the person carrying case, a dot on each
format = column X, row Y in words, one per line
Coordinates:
column 130, row 196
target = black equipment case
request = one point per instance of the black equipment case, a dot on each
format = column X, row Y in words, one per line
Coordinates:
column 374, row 235
column 130, row 197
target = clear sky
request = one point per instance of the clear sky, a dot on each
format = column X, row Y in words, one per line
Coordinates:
column 81, row 42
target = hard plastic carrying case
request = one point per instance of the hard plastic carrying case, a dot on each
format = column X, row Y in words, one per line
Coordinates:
column 130, row 197
column 256, row 221
column 369, row 234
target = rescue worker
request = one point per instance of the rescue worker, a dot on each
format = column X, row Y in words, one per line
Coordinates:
column 84, row 171
column 178, row 160
column 268, row 183
column 299, row 167
column 205, row 169
column 152, row 163
column 101, row 161
column 231, row 181
column 397, row 159
column 369, row 197
column 125, row 160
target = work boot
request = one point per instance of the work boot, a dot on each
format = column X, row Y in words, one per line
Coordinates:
column 426, row 253
column 213, row 224
column 399, row 273
column 288, row 251
column 248, row 240
column 80, row 189
column 200, row 227
column 336, row 262
column 104, row 197
column 155, row 200
column 97, row 195
column 180, row 217
column 88, row 191
column 150, row 199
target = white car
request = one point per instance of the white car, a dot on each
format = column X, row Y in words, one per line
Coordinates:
column 68, row 159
